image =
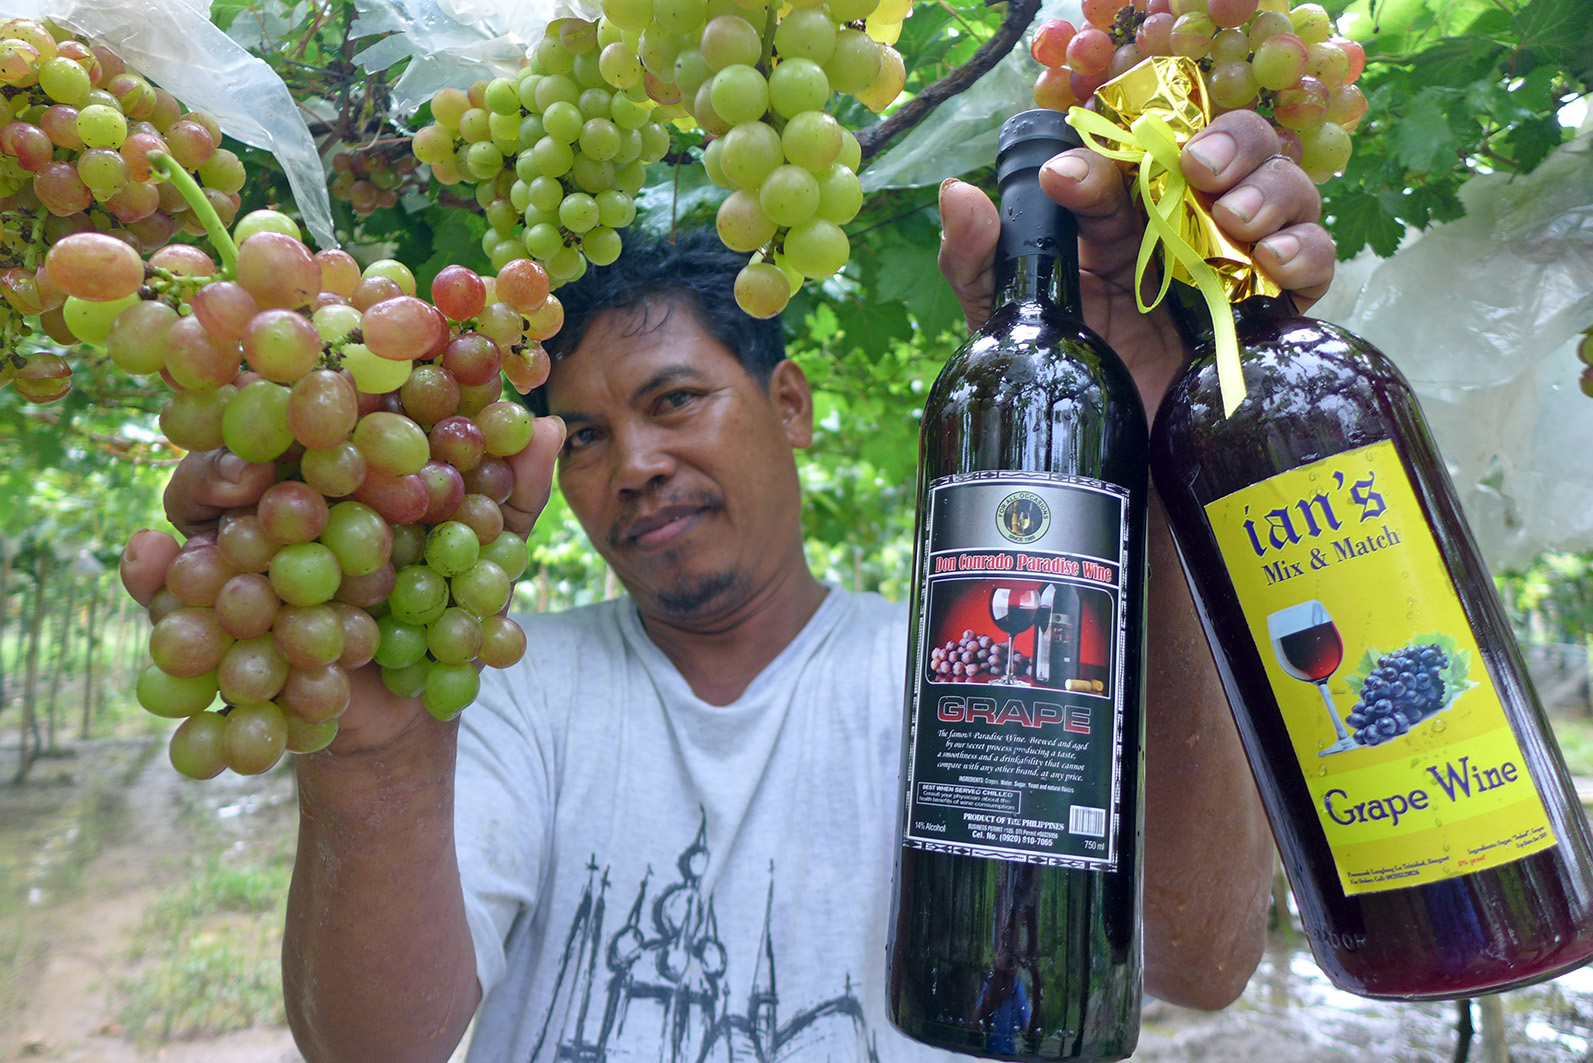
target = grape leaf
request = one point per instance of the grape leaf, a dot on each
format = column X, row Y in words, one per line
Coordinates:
column 1423, row 140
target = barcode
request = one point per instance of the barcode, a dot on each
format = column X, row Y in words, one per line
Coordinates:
column 1087, row 821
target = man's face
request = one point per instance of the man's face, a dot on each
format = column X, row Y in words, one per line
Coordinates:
column 677, row 463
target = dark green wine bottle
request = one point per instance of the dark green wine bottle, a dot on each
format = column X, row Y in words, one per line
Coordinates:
column 1016, row 927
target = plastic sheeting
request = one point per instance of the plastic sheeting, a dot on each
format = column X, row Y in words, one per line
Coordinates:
column 174, row 44
column 1482, row 315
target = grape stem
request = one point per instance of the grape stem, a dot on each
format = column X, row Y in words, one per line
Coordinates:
column 189, row 189
column 1020, row 13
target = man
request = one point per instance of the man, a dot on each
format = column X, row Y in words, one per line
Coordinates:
column 668, row 834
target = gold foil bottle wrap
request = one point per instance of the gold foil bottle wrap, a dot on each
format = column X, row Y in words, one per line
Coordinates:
column 1170, row 87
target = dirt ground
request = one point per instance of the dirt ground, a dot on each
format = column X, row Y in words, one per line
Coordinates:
column 96, row 837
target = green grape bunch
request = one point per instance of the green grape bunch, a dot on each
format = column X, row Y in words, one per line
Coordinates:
column 1283, row 61
column 78, row 132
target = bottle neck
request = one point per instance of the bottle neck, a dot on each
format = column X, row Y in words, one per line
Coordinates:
column 1194, row 317
column 1037, row 253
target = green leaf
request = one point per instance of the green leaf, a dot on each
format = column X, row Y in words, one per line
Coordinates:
column 224, row 12
column 1422, row 139
column 1360, row 220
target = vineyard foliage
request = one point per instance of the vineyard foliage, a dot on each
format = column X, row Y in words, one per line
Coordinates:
column 1456, row 88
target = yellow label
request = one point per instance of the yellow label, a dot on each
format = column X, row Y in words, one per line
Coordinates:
column 1409, row 759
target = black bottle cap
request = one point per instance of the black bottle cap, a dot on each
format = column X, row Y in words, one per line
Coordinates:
column 1028, row 139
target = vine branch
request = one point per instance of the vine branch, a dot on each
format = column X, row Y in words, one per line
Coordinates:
column 1020, row 13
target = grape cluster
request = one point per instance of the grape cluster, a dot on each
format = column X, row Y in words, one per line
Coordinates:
column 555, row 153
column 1260, row 55
column 368, row 179
column 77, row 129
column 970, row 656
column 757, row 79
column 1584, row 351
column 383, row 539
column 1405, row 687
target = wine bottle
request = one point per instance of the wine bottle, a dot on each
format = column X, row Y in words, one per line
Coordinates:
column 1015, row 928
column 1430, row 832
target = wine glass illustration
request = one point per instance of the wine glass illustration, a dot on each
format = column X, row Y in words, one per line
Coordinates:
column 1014, row 612
column 1309, row 648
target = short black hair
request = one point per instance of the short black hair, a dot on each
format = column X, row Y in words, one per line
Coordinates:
column 692, row 269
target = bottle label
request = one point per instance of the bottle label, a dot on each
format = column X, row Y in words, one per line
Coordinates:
column 1016, row 751
column 1408, row 755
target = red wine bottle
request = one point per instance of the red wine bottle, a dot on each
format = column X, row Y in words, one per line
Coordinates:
column 1015, row 929
column 1430, row 832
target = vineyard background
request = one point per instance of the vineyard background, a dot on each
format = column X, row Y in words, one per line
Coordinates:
column 139, row 913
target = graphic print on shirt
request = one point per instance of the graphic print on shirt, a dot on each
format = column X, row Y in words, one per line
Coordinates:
column 661, row 988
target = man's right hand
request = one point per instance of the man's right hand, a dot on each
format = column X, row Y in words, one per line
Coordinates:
column 207, row 484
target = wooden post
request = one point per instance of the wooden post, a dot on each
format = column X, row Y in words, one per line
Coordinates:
column 41, row 572
column 91, row 647
column 1495, row 1045
column 63, row 649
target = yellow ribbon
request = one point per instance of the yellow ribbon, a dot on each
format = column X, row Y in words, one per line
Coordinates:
column 1150, row 144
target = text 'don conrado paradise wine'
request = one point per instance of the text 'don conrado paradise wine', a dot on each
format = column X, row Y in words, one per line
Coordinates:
column 1431, row 835
column 1015, row 930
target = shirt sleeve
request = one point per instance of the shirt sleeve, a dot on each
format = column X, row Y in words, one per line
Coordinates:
column 503, row 808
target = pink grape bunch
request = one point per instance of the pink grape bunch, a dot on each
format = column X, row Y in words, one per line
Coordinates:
column 77, row 129
column 1287, row 63
column 1584, row 352
column 382, row 539
column 373, row 178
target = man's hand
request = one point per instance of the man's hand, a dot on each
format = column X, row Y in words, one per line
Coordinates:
column 206, row 485
column 1261, row 198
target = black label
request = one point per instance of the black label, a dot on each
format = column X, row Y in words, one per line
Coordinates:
column 1016, row 751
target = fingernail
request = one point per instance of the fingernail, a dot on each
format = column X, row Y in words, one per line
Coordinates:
column 1068, row 168
column 564, row 429
column 1214, row 151
column 1282, row 247
column 1243, row 202
column 231, row 466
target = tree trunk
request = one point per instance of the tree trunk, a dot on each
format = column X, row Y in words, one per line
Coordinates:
column 1495, row 1045
column 5, row 604
column 63, row 651
column 90, row 648
column 29, row 733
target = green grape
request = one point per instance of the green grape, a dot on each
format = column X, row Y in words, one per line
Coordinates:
column 592, row 175
column 750, row 153
column 729, row 40
column 615, row 209
column 305, row 574
column 484, row 588
column 255, row 738
column 509, row 552
column 552, row 157
column 739, row 94
column 812, row 140
column 449, row 689
column 789, row 195
column 409, row 680
column 601, row 245
column 451, row 548
column 817, row 248
column 595, row 103
column 692, row 72
column 798, row 85
column 840, row 195
column 762, row 290
column 502, row 96
column 555, row 89
column 198, row 748
column 419, row 595
column 578, row 212
column 454, row 637
column 562, row 121
column 629, row 14
column 358, row 537
column 254, row 425
column 806, row 33
column 679, row 16
column 742, row 224
column 401, row 644
column 854, row 63
column 600, row 139
column 172, row 697
column 619, row 65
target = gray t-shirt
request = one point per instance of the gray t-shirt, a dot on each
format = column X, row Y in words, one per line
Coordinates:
column 650, row 877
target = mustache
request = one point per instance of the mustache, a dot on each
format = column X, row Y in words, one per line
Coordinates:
column 654, row 501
